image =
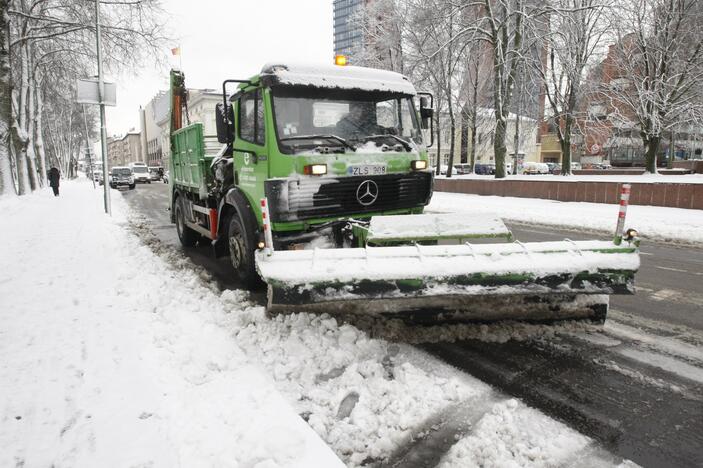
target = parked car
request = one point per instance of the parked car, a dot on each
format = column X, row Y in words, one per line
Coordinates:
column 156, row 173
column 98, row 176
column 140, row 172
column 461, row 169
column 531, row 167
column 166, row 176
column 554, row 168
column 485, row 169
column 121, row 178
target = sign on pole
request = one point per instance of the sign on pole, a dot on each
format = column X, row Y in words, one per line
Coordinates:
column 87, row 92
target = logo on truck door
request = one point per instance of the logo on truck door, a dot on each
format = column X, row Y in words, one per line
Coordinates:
column 367, row 192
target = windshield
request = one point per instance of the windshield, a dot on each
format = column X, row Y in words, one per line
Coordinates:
column 343, row 119
column 121, row 171
column 140, row 169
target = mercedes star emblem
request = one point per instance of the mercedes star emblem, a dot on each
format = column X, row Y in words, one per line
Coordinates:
column 367, row 193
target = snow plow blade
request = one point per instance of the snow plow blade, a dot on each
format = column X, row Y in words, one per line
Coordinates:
column 540, row 281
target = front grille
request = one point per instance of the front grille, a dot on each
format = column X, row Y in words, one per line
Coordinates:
column 327, row 197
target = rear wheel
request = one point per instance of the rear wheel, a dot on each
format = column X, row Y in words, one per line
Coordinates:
column 241, row 242
column 186, row 235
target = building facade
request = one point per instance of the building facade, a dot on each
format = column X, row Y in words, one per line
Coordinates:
column 125, row 149
column 156, row 126
column 155, row 129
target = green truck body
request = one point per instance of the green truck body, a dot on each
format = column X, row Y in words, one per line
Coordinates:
column 258, row 166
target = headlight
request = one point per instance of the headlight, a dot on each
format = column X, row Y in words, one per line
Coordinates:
column 418, row 165
column 315, row 169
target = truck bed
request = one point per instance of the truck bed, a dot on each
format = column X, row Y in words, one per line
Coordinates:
column 191, row 156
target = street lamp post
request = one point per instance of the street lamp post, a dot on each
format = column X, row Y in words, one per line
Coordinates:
column 101, row 94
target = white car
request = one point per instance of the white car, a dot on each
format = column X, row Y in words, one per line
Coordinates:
column 141, row 173
column 530, row 167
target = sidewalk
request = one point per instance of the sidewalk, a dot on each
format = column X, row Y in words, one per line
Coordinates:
column 652, row 222
column 108, row 358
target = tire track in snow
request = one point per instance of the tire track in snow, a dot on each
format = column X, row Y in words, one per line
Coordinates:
column 636, row 409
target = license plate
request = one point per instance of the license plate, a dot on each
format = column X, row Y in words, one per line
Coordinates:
column 367, row 170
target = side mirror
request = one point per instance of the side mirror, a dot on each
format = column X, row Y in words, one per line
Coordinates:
column 426, row 114
column 224, row 121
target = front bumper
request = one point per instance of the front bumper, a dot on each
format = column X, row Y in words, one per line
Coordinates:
column 333, row 197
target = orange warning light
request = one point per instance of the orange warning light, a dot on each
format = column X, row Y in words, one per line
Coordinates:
column 340, row 60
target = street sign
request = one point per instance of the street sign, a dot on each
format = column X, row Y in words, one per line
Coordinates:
column 87, row 92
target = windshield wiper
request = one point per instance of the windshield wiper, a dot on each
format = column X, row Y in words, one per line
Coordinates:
column 312, row 137
column 405, row 143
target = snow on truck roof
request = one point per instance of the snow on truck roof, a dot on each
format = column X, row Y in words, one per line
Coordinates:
column 336, row 77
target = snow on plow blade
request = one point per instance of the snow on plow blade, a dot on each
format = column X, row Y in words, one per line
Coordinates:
column 482, row 282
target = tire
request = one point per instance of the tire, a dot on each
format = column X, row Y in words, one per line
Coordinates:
column 186, row 235
column 242, row 245
column 149, row 182
column 133, row 186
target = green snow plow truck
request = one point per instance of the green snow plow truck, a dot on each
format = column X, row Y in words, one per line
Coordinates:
column 315, row 184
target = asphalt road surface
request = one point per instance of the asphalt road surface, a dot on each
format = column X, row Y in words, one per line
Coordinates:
column 636, row 387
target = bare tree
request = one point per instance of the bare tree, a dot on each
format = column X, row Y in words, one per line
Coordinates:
column 658, row 69
column 577, row 29
column 502, row 27
column 6, row 183
column 52, row 43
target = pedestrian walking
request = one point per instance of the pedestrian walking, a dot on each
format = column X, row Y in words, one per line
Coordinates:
column 54, row 176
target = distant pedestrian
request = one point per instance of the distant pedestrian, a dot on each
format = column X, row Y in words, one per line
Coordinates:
column 54, row 176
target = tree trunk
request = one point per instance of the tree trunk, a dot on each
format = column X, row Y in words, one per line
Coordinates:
column 452, row 137
column 652, row 148
column 439, row 146
column 7, row 185
column 499, row 148
column 565, row 143
column 672, row 150
column 464, row 137
column 39, row 138
column 474, row 125
column 31, row 125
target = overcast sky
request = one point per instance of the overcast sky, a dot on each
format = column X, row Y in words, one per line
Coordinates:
column 222, row 39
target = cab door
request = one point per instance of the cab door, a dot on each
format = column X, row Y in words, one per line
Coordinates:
column 249, row 150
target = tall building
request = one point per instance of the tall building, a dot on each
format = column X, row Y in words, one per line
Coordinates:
column 347, row 36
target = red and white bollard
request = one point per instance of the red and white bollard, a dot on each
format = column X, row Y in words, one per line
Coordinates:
column 624, row 200
column 266, row 221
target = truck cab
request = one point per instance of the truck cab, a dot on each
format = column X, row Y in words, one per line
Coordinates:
column 322, row 144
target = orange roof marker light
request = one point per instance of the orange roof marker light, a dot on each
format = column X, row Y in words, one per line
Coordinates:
column 340, row 60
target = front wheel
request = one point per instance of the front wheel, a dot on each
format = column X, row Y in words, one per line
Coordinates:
column 186, row 235
column 241, row 252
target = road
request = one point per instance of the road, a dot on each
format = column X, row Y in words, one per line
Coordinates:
column 636, row 387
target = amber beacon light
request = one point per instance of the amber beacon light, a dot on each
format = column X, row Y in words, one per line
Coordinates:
column 340, row 60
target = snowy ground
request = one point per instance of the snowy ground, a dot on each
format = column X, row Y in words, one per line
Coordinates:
column 116, row 351
column 631, row 178
column 652, row 222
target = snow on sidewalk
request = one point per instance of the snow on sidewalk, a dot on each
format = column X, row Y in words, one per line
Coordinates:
column 113, row 353
column 109, row 357
column 661, row 178
column 652, row 222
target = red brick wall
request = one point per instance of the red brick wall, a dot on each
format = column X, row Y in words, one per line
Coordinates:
column 657, row 194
